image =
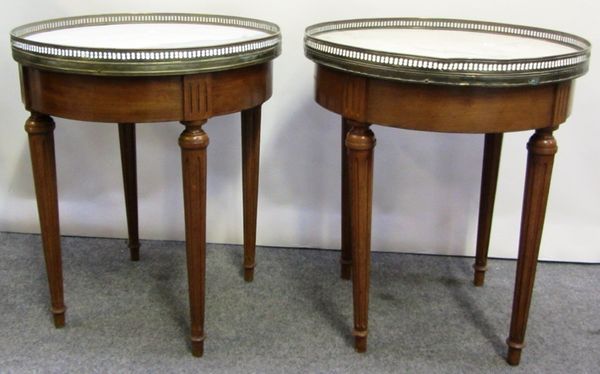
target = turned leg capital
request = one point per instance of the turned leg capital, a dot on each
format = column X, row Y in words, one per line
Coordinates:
column 360, row 137
column 39, row 123
column 193, row 137
column 542, row 142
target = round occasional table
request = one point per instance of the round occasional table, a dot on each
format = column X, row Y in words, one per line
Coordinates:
column 448, row 76
column 142, row 68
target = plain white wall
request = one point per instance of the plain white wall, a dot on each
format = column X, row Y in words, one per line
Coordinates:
column 426, row 185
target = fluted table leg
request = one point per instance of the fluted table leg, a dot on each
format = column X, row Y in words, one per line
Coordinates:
column 346, row 257
column 489, row 181
column 360, row 143
column 128, row 165
column 542, row 148
column 40, row 129
column 250, row 166
column 193, row 142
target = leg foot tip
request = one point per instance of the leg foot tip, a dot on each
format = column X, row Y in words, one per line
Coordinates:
column 514, row 356
column 346, row 272
column 479, row 278
column 360, row 344
column 249, row 275
column 134, row 252
column 197, row 349
column 59, row 320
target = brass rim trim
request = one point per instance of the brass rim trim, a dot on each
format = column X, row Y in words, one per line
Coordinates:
column 133, row 62
column 423, row 69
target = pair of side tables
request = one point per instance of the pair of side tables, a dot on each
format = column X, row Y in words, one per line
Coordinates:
column 423, row 74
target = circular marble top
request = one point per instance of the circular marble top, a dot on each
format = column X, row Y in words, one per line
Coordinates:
column 145, row 44
column 448, row 51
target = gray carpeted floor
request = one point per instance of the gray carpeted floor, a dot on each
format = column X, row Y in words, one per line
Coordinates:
column 425, row 315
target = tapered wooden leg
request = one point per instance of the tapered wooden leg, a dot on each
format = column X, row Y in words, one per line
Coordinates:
column 542, row 147
column 193, row 142
column 128, row 164
column 360, row 143
column 250, row 165
column 489, row 181
column 346, row 257
column 40, row 128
